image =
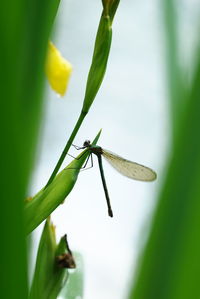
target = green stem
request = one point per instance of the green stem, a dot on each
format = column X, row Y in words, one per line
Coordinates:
column 67, row 146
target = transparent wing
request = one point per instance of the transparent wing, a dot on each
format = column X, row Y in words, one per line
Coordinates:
column 128, row 168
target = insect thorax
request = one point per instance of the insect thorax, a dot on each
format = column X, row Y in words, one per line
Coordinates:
column 95, row 149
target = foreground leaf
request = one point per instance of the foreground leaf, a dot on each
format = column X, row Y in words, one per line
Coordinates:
column 25, row 27
column 169, row 267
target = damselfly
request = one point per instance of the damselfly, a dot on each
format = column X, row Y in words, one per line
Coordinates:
column 127, row 168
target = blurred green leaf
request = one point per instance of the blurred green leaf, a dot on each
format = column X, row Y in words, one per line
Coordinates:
column 169, row 266
column 47, row 199
column 24, row 27
column 176, row 83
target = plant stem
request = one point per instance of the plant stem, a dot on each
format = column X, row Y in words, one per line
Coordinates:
column 96, row 73
column 67, row 146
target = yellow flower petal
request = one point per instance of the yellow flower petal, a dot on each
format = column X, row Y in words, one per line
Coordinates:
column 58, row 70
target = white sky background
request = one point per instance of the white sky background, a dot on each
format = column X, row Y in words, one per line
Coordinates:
column 131, row 108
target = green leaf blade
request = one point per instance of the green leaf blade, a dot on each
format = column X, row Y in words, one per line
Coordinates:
column 48, row 199
column 169, row 267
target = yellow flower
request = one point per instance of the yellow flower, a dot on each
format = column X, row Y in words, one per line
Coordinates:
column 58, row 70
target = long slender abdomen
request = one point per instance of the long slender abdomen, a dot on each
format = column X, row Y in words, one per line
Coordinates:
column 110, row 213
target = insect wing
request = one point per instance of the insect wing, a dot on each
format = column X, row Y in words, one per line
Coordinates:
column 128, row 168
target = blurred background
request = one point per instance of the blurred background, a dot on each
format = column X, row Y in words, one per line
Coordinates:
column 133, row 111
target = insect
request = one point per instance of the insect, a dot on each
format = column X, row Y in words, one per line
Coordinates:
column 127, row 168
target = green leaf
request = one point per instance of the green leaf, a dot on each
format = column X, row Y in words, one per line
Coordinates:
column 176, row 83
column 49, row 277
column 25, row 29
column 169, row 267
column 47, row 199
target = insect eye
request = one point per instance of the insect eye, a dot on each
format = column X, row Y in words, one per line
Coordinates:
column 86, row 143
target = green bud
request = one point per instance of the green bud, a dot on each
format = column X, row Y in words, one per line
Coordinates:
column 101, row 53
column 47, row 279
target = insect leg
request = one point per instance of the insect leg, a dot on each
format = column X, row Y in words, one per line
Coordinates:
column 81, row 155
column 78, row 147
column 82, row 168
column 86, row 164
